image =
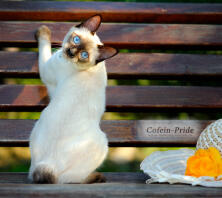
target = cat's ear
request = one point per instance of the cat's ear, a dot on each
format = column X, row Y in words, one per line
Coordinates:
column 106, row 52
column 92, row 23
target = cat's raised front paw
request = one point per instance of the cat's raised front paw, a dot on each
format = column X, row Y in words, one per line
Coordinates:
column 43, row 32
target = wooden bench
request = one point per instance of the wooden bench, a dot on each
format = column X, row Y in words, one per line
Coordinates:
column 143, row 27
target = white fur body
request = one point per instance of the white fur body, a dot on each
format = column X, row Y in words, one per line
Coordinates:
column 67, row 138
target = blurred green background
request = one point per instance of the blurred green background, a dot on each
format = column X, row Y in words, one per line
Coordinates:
column 119, row 159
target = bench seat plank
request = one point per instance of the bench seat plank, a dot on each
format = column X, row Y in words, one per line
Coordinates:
column 130, row 36
column 116, row 188
column 119, row 132
column 127, row 65
column 123, row 177
column 121, row 98
column 113, row 11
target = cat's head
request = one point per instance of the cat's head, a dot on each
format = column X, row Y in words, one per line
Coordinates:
column 83, row 47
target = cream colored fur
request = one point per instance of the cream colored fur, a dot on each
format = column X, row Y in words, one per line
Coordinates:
column 67, row 140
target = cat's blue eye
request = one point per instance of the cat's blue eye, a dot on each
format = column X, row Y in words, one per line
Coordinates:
column 76, row 40
column 84, row 55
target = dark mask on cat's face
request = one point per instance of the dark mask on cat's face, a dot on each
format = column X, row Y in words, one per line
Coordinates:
column 82, row 46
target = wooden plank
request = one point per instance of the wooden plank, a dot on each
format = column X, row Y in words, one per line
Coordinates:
column 113, row 11
column 121, row 98
column 127, row 65
column 111, row 177
column 108, row 190
column 19, row 64
column 131, row 36
column 119, row 132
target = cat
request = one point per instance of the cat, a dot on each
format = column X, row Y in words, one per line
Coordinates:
column 66, row 143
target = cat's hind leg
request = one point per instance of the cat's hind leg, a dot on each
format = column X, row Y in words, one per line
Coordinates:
column 95, row 177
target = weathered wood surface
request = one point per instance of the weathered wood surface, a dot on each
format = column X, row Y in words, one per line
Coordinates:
column 111, row 177
column 116, row 188
column 130, row 36
column 127, row 65
column 121, row 98
column 119, row 132
column 113, row 11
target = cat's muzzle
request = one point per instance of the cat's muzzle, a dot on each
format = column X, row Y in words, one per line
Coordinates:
column 70, row 53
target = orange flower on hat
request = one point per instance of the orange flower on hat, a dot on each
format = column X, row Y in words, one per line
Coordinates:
column 205, row 162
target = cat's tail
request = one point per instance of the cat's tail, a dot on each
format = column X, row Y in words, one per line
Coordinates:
column 44, row 174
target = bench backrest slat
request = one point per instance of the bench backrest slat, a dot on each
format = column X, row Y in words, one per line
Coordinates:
column 130, row 36
column 119, row 132
column 127, row 65
column 113, row 11
column 121, row 98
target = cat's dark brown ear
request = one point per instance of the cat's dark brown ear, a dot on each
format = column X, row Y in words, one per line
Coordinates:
column 92, row 23
column 106, row 52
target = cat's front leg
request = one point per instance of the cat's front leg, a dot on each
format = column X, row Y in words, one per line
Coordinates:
column 43, row 36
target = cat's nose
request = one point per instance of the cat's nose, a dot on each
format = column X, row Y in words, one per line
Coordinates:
column 70, row 53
